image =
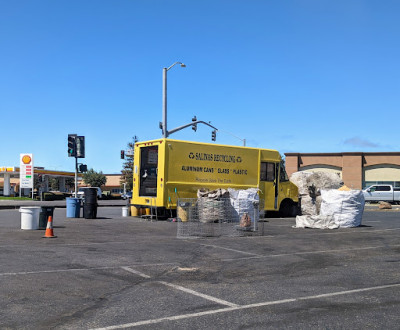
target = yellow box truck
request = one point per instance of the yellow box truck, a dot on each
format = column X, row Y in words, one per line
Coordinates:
column 165, row 170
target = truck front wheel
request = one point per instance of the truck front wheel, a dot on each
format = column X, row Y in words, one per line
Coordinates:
column 288, row 209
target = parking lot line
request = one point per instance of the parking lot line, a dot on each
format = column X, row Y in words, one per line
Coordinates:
column 80, row 244
column 311, row 252
column 195, row 293
column 250, row 306
column 251, row 256
column 54, row 271
column 363, row 231
column 181, row 288
column 128, row 269
column 228, row 249
column 82, row 269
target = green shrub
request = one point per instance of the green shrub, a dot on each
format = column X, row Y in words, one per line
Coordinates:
column 53, row 196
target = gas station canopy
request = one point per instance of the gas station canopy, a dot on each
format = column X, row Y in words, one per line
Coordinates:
column 6, row 173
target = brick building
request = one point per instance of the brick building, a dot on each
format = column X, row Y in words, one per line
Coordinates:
column 357, row 169
column 113, row 184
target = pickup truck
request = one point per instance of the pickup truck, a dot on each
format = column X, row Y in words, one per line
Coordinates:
column 382, row 192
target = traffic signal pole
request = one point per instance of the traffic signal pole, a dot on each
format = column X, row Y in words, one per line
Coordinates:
column 194, row 122
column 76, row 177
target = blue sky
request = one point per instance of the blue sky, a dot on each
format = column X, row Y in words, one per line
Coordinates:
column 296, row 76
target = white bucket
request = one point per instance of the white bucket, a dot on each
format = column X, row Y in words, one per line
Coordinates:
column 29, row 217
column 125, row 211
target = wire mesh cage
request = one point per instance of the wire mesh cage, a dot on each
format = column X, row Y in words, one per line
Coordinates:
column 205, row 217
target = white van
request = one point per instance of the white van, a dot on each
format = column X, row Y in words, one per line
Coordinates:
column 81, row 192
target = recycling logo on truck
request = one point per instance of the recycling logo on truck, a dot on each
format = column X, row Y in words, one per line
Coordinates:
column 215, row 157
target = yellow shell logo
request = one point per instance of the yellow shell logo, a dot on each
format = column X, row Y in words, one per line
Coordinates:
column 26, row 159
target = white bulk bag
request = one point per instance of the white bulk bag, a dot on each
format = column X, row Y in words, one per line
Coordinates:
column 244, row 201
column 347, row 207
column 316, row 221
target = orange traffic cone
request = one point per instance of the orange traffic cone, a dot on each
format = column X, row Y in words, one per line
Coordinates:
column 49, row 229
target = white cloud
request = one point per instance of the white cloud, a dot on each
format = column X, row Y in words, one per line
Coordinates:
column 359, row 142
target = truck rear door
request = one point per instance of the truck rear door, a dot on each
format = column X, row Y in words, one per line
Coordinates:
column 148, row 171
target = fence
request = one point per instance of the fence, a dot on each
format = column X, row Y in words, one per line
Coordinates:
column 205, row 217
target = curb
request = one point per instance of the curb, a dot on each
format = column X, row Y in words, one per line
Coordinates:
column 16, row 207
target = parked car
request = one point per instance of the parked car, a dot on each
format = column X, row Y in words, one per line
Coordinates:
column 128, row 195
column 380, row 192
column 81, row 192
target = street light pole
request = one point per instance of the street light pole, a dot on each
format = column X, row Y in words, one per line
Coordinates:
column 164, row 118
column 164, row 95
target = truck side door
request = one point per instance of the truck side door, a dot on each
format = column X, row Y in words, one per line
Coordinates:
column 369, row 193
column 284, row 184
column 268, row 184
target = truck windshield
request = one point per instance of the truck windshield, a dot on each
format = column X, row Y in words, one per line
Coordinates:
column 148, row 171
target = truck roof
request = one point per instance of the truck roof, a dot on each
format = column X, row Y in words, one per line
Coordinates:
column 161, row 140
column 380, row 184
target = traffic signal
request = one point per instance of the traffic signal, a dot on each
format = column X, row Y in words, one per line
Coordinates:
column 71, row 145
column 80, row 146
column 82, row 168
column 194, row 126
column 40, row 178
column 214, row 135
column 122, row 154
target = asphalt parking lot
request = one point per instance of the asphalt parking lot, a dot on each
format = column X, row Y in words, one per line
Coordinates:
column 115, row 272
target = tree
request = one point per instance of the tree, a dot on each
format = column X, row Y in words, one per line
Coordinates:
column 127, row 167
column 70, row 183
column 36, row 183
column 94, row 179
column 54, row 184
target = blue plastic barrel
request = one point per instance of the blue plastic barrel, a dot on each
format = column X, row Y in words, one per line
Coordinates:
column 73, row 207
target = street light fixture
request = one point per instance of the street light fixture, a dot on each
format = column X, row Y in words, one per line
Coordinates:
column 163, row 125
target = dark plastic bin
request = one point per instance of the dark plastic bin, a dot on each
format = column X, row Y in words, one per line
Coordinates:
column 90, row 211
column 45, row 213
column 90, row 203
column 90, row 196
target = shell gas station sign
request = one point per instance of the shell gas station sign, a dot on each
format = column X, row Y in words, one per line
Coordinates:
column 26, row 170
